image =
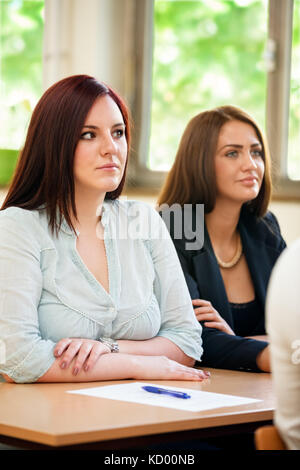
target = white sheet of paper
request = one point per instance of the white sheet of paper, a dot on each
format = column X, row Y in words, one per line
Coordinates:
column 133, row 392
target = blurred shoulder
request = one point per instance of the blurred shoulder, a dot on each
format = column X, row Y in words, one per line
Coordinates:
column 284, row 294
column 289, row 262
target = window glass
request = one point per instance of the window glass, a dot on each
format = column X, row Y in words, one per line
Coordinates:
column 21, row 44
column 294, row 121
column 206, row 53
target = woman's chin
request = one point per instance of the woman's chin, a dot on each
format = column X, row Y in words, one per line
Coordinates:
column 248, row 194
column 108, row 186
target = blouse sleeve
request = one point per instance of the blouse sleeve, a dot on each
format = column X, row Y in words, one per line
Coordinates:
column 25, row 354
column 178, row 321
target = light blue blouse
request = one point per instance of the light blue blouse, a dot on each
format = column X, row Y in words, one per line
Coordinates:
column 47, row 293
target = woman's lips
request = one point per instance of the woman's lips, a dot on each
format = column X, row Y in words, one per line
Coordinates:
column 249, row 181
column 108, row 167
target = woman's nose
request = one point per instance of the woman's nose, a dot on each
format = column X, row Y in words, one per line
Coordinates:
column 248, row 161
column 107, row 145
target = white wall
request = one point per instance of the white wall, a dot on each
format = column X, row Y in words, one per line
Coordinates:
column 91, row 37
column 288, row 215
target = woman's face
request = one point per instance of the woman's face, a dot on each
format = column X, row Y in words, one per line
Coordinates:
column 239, row 163
column 101, row 152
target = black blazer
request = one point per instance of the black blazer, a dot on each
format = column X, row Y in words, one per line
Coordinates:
column 262, row 245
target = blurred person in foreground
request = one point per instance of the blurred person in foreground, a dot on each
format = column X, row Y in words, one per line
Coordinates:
column 283, row 327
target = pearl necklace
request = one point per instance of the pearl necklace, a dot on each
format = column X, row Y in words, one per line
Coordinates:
column 234, row 260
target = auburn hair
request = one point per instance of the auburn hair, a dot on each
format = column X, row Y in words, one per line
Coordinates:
column 44, row 173
column 192, row 178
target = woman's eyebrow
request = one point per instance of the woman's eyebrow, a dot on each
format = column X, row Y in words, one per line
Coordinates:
column 91, row 126
column 256, row 144
column 119, row 124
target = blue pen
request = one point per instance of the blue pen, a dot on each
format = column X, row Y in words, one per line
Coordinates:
column 165, row 391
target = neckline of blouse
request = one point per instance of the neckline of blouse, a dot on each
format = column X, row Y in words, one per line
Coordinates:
column 105, row 212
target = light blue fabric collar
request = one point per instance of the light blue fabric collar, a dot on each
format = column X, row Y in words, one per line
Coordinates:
column 104, row 213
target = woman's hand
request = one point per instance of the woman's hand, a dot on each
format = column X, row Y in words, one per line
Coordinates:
column 86, row 351
column 163, row 368
column 205, row 312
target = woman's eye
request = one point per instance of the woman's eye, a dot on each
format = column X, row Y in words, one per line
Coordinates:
column 87, row 135
column 118, row 133
column 231, row 154
column 257, row 153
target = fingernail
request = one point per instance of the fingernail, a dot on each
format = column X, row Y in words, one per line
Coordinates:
column 57, row 353
column 75, row 371
column 86, row 368
column 207, row 373
column 63, row 365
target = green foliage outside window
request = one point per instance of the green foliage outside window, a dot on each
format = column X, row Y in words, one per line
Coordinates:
column 21, row 44
column 206, row 53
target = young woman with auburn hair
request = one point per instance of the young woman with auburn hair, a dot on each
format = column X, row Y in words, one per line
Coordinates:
column 44, row 173
column 223, row 162
column 74, row 290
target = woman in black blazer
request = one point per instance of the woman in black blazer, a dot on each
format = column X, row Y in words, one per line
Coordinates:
column 223, row 162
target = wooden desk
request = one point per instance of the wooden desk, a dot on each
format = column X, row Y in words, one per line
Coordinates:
column 45, row 414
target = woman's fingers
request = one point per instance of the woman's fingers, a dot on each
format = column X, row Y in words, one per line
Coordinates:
column 183, row 372
column 205, row 310
column 190, row 373
column 206, row 316
column 96, row 351
column 201, row 302
column 163, row 368
column 206, row 313
column 198, row 373
column 70, row 353
column 61, row 346
column 211, row 317
column 82, row 354
column 220, row 325
column 216, row 324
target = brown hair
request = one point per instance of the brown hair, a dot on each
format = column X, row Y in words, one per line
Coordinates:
column 44, row 172
column 192, row 177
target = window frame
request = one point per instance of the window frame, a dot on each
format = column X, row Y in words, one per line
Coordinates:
column 280, row 30
column 144, row 40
